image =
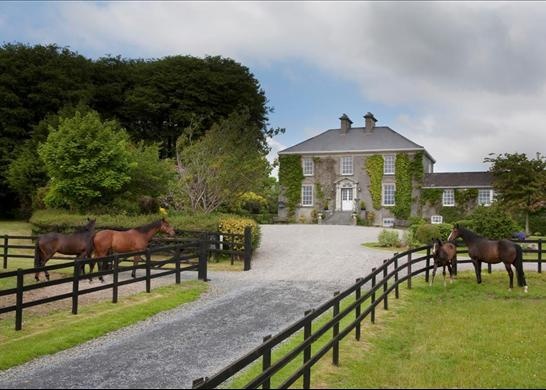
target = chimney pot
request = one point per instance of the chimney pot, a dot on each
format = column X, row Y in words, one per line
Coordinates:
column 369, row 121
column 345, row 123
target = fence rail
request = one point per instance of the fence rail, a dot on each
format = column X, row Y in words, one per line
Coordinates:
column 189, row 251
column 381, row 282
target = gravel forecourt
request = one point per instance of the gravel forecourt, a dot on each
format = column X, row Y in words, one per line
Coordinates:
column 297, row 267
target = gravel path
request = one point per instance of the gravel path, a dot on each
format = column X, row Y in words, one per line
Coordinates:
column 296, row 268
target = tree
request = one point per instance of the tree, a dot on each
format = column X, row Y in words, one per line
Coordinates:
column 88, row 161
column 520, row 183
column 221, row 166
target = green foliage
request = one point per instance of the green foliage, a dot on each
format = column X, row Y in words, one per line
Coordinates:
column 374, row 167
column 290, row 178
column 431, row 196
column 252, row 202
column 520, row 183
column 87, row 160
column 493, row 222
column 403, row 177
column 389, row 239
column 221, row 166
column 452, row 213
column 466, row 198
column 427, row 232
column 237, row 225
column 416, row 167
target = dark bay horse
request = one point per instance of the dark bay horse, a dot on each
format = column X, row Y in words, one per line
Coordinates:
column 133, row 240
column 492, row 251
column 79, row 243
column 444, row 254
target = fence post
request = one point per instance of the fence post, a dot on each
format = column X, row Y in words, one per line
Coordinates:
column 409, row 270
column 396, row 290
column 358, row 295
column 202, row 270
column 266, row 363
column 540, row 255
column 177, row 264
column 335, row 347
column 248, row 248
column 307, row 352
column 386, row 297
column 75, row 286
column 372, row 314
column 19, row 300
column 115, row 279
column 148, row 271
column 5, row 251
column 427, row 271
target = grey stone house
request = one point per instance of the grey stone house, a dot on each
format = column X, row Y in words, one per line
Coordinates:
column 336, row 184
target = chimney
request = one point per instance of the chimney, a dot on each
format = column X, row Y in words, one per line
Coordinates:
column 369, row 121
column 345, row 123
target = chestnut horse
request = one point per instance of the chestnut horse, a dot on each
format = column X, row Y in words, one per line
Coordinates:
column 79, row 243
column 492, row 251
column 444, row 254
column 132, row 240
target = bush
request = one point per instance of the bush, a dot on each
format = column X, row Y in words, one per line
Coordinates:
column 493, row 222
column 237, row 225
column 389, row 238
column 427, row 232
column 409, row 240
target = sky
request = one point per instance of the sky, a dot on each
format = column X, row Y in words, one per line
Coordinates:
column 462, row 79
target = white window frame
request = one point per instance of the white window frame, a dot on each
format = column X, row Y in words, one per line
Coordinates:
column 491, row 194
column 393, row 195
column 389, row 169
column 388, row 222
column 343, row 165
column 448, row 200
column 303, row 195
column 436, row 219
column 308, row 166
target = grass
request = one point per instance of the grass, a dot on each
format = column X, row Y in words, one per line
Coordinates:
column 466, row 335
column 59, row 330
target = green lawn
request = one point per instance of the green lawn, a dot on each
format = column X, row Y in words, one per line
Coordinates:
column 465, row 335
column 59, row 330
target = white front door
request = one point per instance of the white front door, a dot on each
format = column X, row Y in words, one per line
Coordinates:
column 347, row 199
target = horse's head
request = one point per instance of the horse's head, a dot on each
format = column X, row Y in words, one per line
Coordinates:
column 90, row 224
column 455, row 232
column 166, row 227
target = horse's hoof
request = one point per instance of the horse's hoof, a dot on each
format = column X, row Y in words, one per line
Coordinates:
column 526, row 289
column 510, row 289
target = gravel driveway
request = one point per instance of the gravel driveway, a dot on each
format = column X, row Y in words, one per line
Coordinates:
column 296, row 268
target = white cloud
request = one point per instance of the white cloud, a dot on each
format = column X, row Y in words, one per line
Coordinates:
column 474, row 74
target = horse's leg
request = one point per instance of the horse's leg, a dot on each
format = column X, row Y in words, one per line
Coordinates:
column 433, row 273
column 478, row 269
column 450, row 269
column 444, row 274
column 135, row 262
column 510, row 275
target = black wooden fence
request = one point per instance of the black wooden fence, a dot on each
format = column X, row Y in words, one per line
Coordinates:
column 360, row 302
column 189, row 253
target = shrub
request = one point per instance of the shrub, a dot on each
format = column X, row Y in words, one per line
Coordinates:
column 237, row 225
column 389, row 238
column 427, row 232
column 493, row 222
column 409, row 240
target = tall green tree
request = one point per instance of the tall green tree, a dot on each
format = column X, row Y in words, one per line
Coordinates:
column 88, row 161
column 520, row 182
column 221, row 166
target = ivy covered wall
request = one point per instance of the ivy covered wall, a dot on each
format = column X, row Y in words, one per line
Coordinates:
column 290, row 179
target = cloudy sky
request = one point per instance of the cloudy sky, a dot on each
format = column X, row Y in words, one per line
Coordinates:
column 462, row 79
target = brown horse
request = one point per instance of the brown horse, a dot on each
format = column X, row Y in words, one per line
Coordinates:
column 444, row 254
column 79, row 243
column 132, row 240
column 492, row 251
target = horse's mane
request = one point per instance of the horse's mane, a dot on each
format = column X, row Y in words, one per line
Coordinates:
column 464, row 232
column 146, row 228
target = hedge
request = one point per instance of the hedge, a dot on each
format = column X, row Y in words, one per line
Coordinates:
column 44, row 221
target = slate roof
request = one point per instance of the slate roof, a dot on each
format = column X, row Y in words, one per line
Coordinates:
column 356, row 139
column 458, row 180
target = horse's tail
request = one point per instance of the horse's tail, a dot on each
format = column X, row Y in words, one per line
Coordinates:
column 519, row 266
column 37, row 254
